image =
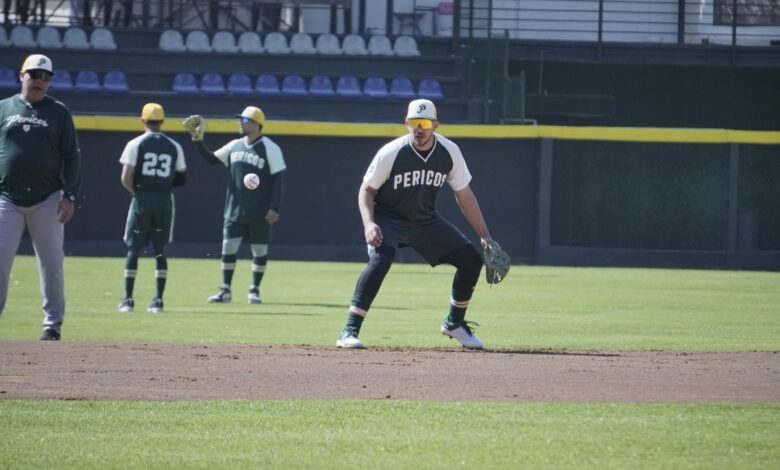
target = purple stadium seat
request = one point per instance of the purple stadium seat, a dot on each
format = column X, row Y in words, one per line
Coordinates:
column 402, row 87
column 184, row 83
column 115, row 81
column 61, row 81
column 375, row 87
column 267, row 85
column 430, row 88
column 211, row 83
column 294, row 85
column 239, row 84
column 348, row 86
column 88, row 81
column 321, row 86
column 8, row 79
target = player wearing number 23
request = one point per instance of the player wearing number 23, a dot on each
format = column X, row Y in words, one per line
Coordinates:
column 152, row 165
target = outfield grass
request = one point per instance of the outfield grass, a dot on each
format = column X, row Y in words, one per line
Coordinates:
column 306, row 303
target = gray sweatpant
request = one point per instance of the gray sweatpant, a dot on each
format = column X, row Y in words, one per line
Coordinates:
column 47, row 235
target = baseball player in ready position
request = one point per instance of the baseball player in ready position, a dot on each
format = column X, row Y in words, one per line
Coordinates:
column 40, row 176
column 249, row 213
column 397, row 202
column 152, row 165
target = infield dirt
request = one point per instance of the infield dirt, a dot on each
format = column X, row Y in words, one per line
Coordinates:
column 168, row 371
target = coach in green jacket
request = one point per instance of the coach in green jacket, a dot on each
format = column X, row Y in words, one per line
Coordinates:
column 40, row 175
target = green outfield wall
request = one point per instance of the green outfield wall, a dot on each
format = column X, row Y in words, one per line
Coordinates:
column 551, row 194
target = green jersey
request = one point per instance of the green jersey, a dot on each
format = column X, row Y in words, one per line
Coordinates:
column 39, row 151
column 155, row 157
column 264, row 158
column 407, row 182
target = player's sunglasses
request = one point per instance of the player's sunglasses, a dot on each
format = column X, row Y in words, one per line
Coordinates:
column 39, row 75
column 245, row 120
column 424, row 123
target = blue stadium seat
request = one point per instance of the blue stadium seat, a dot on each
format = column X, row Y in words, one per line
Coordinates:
column 115, row 81
column 61, row 81
column 375, row 87
column 184, row 83
column 430, row 88
column 239, row 84
column 321, row 86
column 8, row 79
column 87, row 81
column 348, row 86
column 267, row 85
column 294, row 85
column 211, row 83
column 402, row 87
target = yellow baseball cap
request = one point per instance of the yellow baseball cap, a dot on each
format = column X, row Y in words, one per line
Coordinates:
column 37, row 62
column 254, row 113
column 152, row 112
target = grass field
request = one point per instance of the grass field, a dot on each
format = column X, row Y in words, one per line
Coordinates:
column 305, row 303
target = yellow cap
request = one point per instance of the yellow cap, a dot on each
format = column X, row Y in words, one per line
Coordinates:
column 253, row 113
column 37, row 62
column 152, row 112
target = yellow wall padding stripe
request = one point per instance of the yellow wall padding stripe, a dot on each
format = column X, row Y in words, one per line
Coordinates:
column 334, row 129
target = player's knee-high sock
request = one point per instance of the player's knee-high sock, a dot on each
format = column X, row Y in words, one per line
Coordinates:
column 258, row 269
column 468, row 263
column 228, row 268
column 161, row 274
column 131, row 270
column 368, row 285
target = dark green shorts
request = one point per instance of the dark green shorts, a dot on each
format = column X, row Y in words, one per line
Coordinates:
column 150, row 219
column 256, row 232
column 432, row 238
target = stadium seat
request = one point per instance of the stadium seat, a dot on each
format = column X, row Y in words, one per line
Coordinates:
column 22, row 36
column 301, row 43
column 75, row 38
column 321, row 86
column 211, row 83
column 328, row 44
column 198, row 41
column 87, row 81
column 184, row 83
column 402, row 87
column 224, row 42
column 4, row 42
column 430, row 88
column 380, row 45
column 102, row 39
column 249, row 43
column 49, row 38
column 375, row 87
column 267, row 85
column 294, row 86
column 406, row 46
column 348, row 86
column 171, row 40
column 239, row 84
column 354, row 45
column 61, row 81
column 115, row 81
column 276, row 43
column 8, row 79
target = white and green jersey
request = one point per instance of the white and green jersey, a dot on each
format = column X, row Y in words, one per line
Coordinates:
column 155, row 157
column 262, row 157
column 407, row 182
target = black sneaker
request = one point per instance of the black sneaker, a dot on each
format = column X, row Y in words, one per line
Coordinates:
column 126, row 306
column 50, row 335
column 156, row 306
column 222, row 297
column 253, row 297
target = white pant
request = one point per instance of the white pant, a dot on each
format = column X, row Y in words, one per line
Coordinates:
column 47, row 235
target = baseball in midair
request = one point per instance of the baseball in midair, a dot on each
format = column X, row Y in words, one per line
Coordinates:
column 251, row 181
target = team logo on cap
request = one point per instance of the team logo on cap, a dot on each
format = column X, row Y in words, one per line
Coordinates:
column 42, row 61
column 421, row 108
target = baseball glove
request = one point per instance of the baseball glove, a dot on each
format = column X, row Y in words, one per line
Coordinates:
column 497, row 262
column 195, row 125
